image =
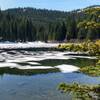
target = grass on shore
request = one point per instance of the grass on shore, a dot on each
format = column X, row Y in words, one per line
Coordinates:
column 89, row 47
column 91, row 70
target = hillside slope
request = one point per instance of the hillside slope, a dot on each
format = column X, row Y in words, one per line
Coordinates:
column 30, row 24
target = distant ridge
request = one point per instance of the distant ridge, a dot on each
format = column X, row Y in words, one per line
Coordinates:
column 94, row 6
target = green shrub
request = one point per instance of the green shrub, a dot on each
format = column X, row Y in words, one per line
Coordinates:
column 92, row 48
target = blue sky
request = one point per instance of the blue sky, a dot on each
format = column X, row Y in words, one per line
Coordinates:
column 65, row 5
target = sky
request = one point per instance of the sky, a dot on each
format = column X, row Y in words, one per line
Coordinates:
column 63, row 5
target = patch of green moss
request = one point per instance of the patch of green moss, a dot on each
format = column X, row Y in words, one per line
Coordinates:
column 91, row 70
column 81, row 92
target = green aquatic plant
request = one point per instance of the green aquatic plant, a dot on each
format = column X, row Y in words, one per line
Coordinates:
column 81, row 92
column 98, row 63
column 89, row 47
column 91, row 70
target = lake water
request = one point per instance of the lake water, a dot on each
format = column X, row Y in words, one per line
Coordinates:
column 34, row 75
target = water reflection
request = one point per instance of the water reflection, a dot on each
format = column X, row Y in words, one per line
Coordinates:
column 15, row 71
column 40, row 87
column 18, row 83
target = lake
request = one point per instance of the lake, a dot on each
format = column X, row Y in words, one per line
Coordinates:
column 35, row 74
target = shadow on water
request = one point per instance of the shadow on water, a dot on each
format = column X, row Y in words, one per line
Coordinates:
column 80, row 62
column 15, row 71
column 33, row 49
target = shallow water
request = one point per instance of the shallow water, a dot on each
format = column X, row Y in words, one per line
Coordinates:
column 17, row 83
column 39, row 87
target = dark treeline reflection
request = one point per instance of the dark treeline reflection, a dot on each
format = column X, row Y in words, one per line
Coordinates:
column 15, row 71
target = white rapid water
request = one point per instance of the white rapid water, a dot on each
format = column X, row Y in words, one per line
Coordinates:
column 14, row 65
column 33, row 60
column 67, row 68
column 63, row 68
column 19, row 45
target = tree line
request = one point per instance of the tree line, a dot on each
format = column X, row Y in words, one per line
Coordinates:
column 30, row 24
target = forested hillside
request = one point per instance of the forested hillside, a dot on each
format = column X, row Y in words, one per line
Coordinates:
column 29, row 24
